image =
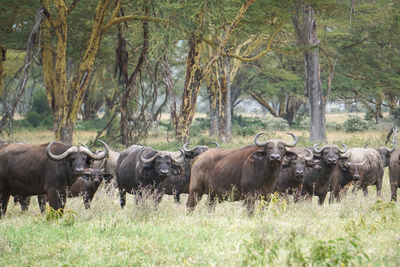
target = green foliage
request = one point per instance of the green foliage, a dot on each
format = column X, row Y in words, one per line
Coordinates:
column 340, row 251
column 355, row 124
column 93, row 124
column 40, row 112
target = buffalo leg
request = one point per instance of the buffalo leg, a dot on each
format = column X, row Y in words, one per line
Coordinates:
column 4, row 198
column 393, row 187
column 42, row 203
column 379, row 187
column 122, row 198
column 157, row 197
column 177, row 196
column 54, row 199
column 193, row 199
column 87, row 199
column 365, row 191
column 321, row 198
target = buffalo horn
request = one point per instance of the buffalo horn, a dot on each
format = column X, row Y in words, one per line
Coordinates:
column 61, row 156
column 186, row 149
column 316, row 149
column 180, row 158
column 342, row 151
column 294, row 140
column 309, row 156
column 146, row 160
column 99, row 156
column 257, row 142
column 394, row 147
column 215, row 144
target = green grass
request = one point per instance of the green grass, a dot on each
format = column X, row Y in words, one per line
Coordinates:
column 357, row 231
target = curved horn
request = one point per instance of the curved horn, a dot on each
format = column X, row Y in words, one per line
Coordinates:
column 316, row 149
column 257, row 142
column 215, row 144
column 295, row 140
column 99, row 156
column 186, row 149
column 82, row 144
column 310, row 155
column 394, row 147
column 342, row 151
column 180, row 158
column 146, row 160
column 61, row 156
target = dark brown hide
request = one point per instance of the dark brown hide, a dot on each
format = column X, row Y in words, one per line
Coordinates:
column 244, row 173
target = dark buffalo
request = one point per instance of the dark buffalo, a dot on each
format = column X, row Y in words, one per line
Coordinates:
column 42, row 169
column 364, row 165
column 394, row 173
column 87, row 185
column 317, row 181
column 293, row 169
column 244, row 173
column 178, row 184
column 143, row 167
column 341, row 177
column 385, row 153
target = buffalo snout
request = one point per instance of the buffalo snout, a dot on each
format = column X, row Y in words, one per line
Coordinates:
column 275, row 157
column 332, row 161
column 164, row 172
column 299, row 173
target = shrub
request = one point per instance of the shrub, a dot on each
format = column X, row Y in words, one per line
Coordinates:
column 33, row 118
column 40, row 112
column 355, row 124
column 275, row 123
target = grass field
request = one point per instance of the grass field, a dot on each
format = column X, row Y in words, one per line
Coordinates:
column 361, row 231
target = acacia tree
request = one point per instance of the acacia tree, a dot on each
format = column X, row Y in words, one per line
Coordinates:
column 305, row 25
column 195, row 74
column 65, row 98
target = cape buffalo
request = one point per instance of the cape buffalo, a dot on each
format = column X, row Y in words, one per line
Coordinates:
column 143, row 167
column 394, row 173
column 178, row 184
column 244, row 173
column 293, row 169
column 87, row 185
column 317, row 181
column 110, row 166
column 365, row 165
column 341, row 177
column 27, row 170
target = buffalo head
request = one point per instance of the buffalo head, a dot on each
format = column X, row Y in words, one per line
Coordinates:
column 191, row 153
column 79, row 158
column 298, row 162
column 95, row 176
column 164, row 163
column 355, row 169
column 274, row 150
column 329, row 154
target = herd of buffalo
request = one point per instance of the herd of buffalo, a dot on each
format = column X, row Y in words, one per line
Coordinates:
column 56, row 171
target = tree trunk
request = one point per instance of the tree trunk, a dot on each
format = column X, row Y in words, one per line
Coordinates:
column 306, row 31
column 3, row 52
column 190, row 90
column 212, row 90
column 293, row 105
column 225, row 122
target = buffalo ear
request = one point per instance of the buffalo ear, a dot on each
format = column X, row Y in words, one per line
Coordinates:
column 189, row 154
column 291, row 155
column 313, row 165
column 343, row 165
column 107, row 177
column 176, row 169
column 259, row 155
